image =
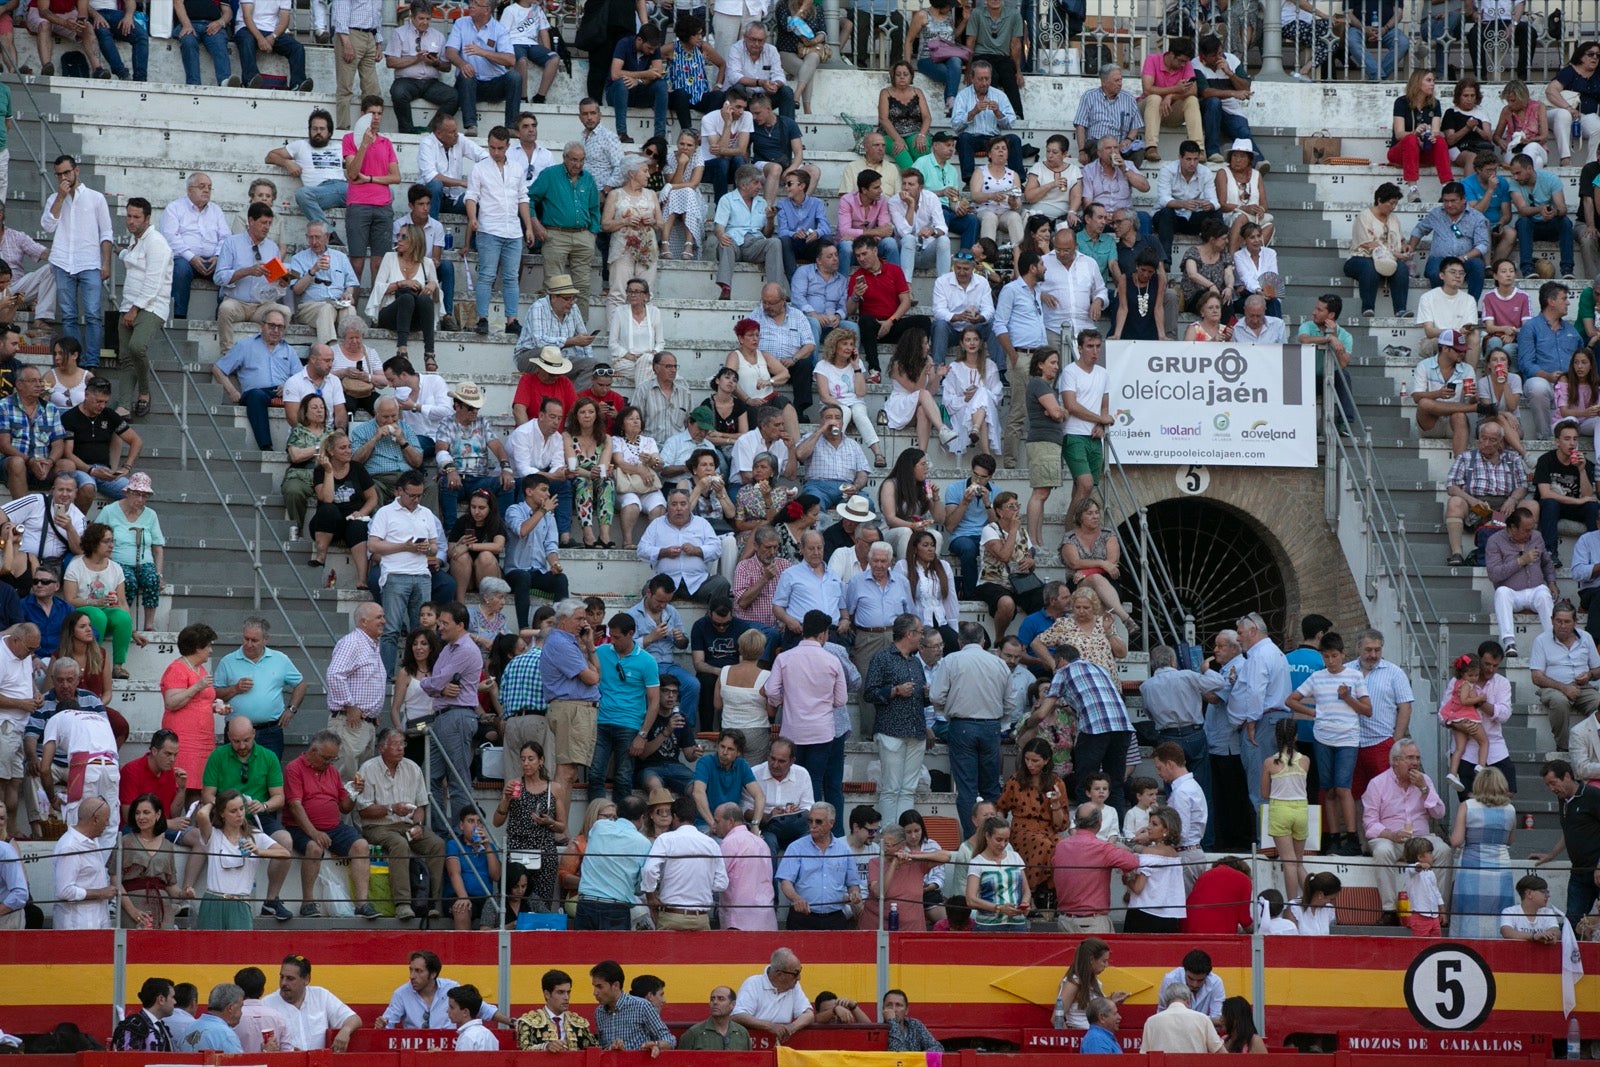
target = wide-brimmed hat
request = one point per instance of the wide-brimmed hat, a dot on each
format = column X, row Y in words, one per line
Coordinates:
column 855, row 509
column 140, row 483
column 1243, row 144
column 560, row 285
column 468, row 392
column 658, row 796
column 551, row 361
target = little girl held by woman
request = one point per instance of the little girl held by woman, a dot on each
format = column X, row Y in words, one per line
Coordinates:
column 1461, row 716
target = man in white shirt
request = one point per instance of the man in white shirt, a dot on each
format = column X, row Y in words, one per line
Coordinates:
column 754, row 64
column 730, row 17
column 1086, row 395
column 318, row 161
column 497, row 211
column 404, row 538
column 683, row 546
column 83, row 883
column 80, row 220
column 1195, row 973
column 316, row 377
column 415, row 53
column 440, row 156
column 194, row 228
column 526, row 153
column 960, row 299
column 81, row 729
column 683, row 872
column 147, row 287
column 536, row 446
column 1448, row 307
column 310, row 1011
column 919, row 223
column 263, row 26
column 1186, row 196
column 1178, row 1027
column 1188, row 800
column 424, row 399
column 769, row 435
column 1257, row 327
column 773, row 1000
column 18, row 700
column 789, row 794
column 1072, row 293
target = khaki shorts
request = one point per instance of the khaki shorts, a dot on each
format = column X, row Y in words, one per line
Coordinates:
column 1044, row 464
column 572, row 723
column 10, row 749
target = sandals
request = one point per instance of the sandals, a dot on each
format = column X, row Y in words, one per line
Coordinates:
column 119, row 672
column 429, row 364
column 141, row 407
column 605, row 544
column 315, row 562
column 400, row 351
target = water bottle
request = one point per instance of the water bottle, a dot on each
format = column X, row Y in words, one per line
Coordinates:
column 1402, row 905
column 377, row 855
column 894, row 916
column 1577, row 129
column 1058, row 1017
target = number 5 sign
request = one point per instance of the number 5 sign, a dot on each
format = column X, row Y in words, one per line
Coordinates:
column 1449, row 987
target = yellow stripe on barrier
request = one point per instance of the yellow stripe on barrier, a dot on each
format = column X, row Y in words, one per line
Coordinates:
column 58, row 983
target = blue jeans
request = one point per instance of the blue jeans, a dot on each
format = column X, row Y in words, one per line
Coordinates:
column 1219, row 124
column 313, row 200
column 816, row 334
column 948, row 72
column 784, row 831
column 183, row 276
column 965, row 549
column 609, row 742
column 974, row 764
column 1107, row 753
column 82, row 292
column 271, row 739
column 825, row 491
column 447, row 283
column 719, row 172
column 962, row 227
column 1528, row 231
column 285, row 46
column 453, row 731
column 967, row 148
column 189, row 46
column 402, row 596
column 498, row 256
column 825, row 763
column 440, row 203
column 1368, row 280
column 507, row 87
column 1439, row 27
column 653, row 96
column 117, row 488
column 603, row 915
column 108, row 37
column 1385, row 55
column 257, row 402
column 449, row 498
column 947, row 333
column 1474, row 273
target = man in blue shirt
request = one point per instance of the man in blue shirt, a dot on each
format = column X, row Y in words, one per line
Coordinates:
column 818, row 876
column 638, row 78
column 630, row 694
column 1304, row 661
column 1019, row 327
column 1545, row 346
column 1454, row 229
column 213, row 1031
column 1057, row 602
column 1489, row 194
column 570, row 672
column 481, row 51
column 1101, row 1039
column 819, row 290
column 608, row 884
column 533, row 552
column 802, row 220
column 253, row 677
column 1540, row 207
column 44, row 607
column 662, row 633
column 254, row 370
column 966, row 512
column 979, row 116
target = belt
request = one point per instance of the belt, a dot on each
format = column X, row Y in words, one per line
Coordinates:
column 683, row 911
column 1187, row 848
column 528, row 711
column 1190, row 728
column 872, row 629
column 609, row 903
column 570, row 229
column 562, row 700
column 363, row 29
column 223, row 896
column 99, row 761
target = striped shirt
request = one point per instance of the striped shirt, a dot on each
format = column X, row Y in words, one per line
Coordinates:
column 1387, row 688
column 356, row 676
column 1103, row 116
column 1482, row 477
column 749, row 573
column 1337, row 723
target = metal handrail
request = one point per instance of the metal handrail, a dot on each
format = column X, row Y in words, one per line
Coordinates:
column 1121, row 500
column 252, row 545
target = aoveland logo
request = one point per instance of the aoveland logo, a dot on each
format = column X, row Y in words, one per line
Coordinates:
column 1261, row 430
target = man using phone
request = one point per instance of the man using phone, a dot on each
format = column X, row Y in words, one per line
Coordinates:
column 571, row 671
column 453, row 685
column 416, row 55
column 80, row 220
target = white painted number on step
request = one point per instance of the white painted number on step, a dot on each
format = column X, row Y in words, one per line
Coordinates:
column 1449, row 987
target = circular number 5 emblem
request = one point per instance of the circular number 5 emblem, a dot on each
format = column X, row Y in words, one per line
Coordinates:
column 1449, row 987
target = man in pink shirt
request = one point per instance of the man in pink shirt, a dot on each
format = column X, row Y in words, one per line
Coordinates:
column 371, row 167
column 316, row 802
column 1171, row 96
column 808, row 682
column 1397, row 807
column 748, row 902
column 1082, row 873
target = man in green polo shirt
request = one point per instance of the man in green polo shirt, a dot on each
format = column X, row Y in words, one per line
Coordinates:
column 566, row 206
column 941, row 175
column 248, row 767
column 252, row 679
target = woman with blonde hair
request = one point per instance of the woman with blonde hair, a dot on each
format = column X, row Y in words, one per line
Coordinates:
column 737, row 694
column 405, row 294
column 841, row 380
column 1481, row 836
column 1523, row 126
column 681, row 201
column 1415, row 133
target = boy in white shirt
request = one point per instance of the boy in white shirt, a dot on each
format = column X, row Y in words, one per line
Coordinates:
column 1338, row 696
column 1145, row 791
column 471, row 1035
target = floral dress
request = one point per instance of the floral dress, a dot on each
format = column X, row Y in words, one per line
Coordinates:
column 1035, row 827
column 788, row 544
column 589, row 493
column 634, row 253
column 752, row 504
column 1092, row 643
column 525, row 835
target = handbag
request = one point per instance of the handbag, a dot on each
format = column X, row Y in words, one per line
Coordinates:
column 1319, row 147
column 941, row 50
column 637, row 484
column 817, row 46
column 1028, row 585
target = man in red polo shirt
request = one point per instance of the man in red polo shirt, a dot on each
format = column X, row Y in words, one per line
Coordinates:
column 316, row 803
column 547, row 376
column 880, row 298
column 157, row 772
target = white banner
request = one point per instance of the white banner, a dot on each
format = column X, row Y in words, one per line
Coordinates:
column 1217, row 404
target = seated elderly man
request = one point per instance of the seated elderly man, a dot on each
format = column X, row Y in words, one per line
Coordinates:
column 532, row 558
column 1523, row 573
column 386, row 447
column 1177, row 1027
column 1257, row 327
column 746, row 230
column 835, row 464
column 1565, row 667
column 819, row 877
column 773, row 1000
column 1484, row 483
column 1455, row 230
column 315, row 803
column 682, row 546
column 253, row 371
column 1396, row 807
column 555, row 320
column 324, row 284
column 1438, row 387
column 394, row 816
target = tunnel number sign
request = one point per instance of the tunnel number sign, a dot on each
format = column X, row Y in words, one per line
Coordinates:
column 1449, row 987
